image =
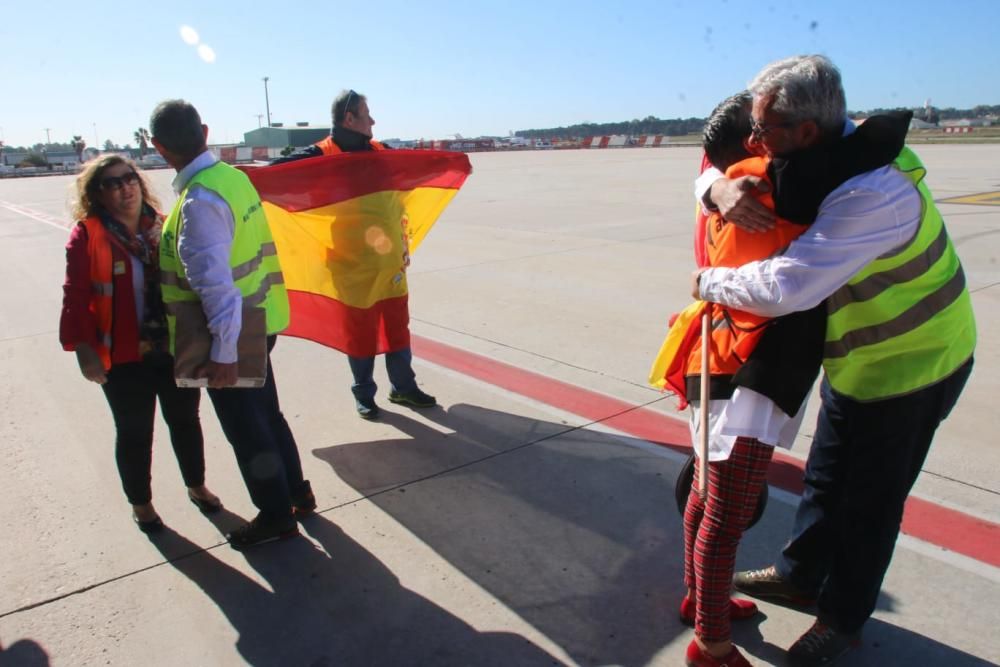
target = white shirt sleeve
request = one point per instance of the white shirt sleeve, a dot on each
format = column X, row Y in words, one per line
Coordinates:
column 704, row 182
column 204, row 245
column 866, row 217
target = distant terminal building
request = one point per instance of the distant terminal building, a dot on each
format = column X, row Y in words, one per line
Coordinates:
column 279, row 136
column 13, row 158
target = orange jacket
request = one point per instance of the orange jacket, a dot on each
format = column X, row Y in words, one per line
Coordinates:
column 735, row 333
column 701, row 223
column 329, row 146
column 728, row 245
column 101, row 300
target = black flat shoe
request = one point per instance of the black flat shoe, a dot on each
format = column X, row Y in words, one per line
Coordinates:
column 206, row 506
column 151, row 526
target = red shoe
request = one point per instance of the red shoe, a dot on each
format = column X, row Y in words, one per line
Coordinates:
column 739, row 610
column 697, row 658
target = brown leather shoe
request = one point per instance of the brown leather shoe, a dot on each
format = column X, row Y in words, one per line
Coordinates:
column 768, row 584
column 821, row 645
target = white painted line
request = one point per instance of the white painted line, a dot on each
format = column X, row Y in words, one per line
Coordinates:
column 38, row 216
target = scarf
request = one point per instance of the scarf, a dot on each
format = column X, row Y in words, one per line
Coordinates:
column 144, row 246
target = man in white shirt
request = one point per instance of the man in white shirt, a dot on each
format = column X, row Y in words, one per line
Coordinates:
column 200, row 268
column 899, row 345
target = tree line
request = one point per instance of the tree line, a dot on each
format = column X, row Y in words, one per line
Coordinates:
column 681, row 126
column 37, row 152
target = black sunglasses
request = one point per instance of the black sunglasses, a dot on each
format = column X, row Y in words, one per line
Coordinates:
column 118, row 182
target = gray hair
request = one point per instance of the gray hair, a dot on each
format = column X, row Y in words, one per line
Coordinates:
column 347, row 100
column 804, row 88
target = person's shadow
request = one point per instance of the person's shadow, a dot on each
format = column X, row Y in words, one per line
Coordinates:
column 24, row 653
column 574, row 530
column 335, row 605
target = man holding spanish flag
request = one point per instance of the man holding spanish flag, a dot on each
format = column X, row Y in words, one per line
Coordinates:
column 388, row 319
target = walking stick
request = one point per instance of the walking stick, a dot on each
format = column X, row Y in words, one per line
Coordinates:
column 706, row 330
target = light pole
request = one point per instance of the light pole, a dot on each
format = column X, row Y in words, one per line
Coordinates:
column 258, row 116
column 97, row 144
column 267, row 102
column 48, row 140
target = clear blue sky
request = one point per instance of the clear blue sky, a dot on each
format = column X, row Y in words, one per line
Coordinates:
column 432, row 69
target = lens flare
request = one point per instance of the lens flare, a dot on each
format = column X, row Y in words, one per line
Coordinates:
column 378, row 241
column 189, row 35
column 206, row 53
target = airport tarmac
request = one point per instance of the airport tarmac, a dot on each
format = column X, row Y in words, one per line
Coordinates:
column 529, row 519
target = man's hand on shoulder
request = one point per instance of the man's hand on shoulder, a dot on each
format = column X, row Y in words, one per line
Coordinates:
column 737, row 202
column 219, row 375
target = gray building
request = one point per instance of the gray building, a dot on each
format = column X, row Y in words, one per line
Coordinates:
column 279, row 136
column 14, row 158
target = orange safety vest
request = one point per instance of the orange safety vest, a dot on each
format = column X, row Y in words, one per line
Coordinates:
column 101, row 285
column 701, row 223
column 735, row 333
column 329, row 147
column 730, row 246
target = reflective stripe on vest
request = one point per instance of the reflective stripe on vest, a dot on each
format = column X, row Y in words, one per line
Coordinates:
column 330, row 147
column 904, row 321
column 238, row 272
column 253, row 257
column 101, row 285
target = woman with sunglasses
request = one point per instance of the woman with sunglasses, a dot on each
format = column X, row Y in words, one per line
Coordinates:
column 113, row 318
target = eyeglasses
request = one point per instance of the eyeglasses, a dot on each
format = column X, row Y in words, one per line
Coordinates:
column 758, row 130
column 119, row 182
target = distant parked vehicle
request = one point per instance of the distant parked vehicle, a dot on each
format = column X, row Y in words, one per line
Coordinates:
column 152, row 161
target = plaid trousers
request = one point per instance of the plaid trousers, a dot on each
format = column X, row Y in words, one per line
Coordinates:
column 713, row 528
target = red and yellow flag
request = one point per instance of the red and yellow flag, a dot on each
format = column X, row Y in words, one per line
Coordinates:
column 344, row 226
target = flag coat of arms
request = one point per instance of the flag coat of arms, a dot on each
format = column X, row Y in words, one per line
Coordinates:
column 344, row 227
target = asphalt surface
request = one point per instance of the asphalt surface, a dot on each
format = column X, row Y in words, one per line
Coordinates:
column 528, row 520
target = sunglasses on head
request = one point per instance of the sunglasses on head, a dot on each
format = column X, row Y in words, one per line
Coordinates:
column 350, row 97
column 118, row 182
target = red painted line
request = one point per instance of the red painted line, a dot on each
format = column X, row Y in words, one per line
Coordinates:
column 942, row 526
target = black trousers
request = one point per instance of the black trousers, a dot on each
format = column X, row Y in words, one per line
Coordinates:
column 263, row 443
column 863, row 462
column 132, row 390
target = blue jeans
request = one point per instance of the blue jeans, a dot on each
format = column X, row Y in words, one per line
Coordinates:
column 264, row 445
column 863, row 462
column 399, row 366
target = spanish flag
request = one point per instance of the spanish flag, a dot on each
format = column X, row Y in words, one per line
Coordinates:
column 344, row 227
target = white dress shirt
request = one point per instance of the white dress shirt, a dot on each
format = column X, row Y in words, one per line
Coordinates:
column 204, row 245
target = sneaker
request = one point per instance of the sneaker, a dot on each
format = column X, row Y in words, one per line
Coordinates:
column 697, row 658
column 766, row 583
column 415, row 399
column 304, row 502
column 738, row 610
column 821, row 645
column 367, row 408
column 258, row 531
